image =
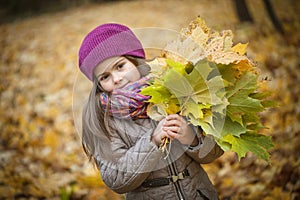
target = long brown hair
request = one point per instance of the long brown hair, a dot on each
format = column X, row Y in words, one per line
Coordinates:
column 96, row 126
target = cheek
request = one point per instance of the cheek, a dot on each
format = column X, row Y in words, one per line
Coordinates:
column 107, row 86
column 133, row 75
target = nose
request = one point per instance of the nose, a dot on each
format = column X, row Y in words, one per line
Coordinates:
column 116, row 78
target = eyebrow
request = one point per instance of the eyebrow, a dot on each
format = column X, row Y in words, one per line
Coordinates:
column 113, row 65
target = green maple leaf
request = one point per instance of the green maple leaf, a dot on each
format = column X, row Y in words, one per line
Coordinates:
column 252, row 122
column 232, row 128
column 178, row 84
column 256, row 143
column 205, row 68
column 262, row 96
column 176, row 66
column 195, row 109
column 244, row 86
column 159, row 94
column 201, row 92
column 206, row 124
column 214, row 90
column 194, row 85
column 239, row 99
column 227, row 72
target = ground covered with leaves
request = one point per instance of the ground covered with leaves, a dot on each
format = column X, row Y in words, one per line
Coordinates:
column 40, row 150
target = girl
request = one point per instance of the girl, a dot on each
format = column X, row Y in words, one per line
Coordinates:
column 120, row 138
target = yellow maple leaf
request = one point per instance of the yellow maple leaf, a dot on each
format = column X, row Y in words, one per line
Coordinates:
column 242, row 66
column 240, row 48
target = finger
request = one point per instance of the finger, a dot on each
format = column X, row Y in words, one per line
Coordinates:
column 173, row 122
column 171, row 135
column 176, row 118
column 174, row 129
column 173, row 116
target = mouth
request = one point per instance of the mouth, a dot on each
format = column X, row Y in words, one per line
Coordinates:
column 122, row 85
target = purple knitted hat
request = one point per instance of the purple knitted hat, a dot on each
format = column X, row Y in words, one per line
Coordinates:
column 105, row 41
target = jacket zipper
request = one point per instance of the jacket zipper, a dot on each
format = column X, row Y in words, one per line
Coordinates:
column 172, row 169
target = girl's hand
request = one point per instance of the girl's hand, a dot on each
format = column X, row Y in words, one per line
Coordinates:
column 178, row 128
column 159, row 133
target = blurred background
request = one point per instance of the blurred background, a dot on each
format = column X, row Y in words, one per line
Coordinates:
column 40, row 150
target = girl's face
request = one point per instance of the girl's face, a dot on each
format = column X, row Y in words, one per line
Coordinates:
column 116, row 72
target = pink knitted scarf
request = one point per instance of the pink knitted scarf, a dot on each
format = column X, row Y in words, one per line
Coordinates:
column 127, row 102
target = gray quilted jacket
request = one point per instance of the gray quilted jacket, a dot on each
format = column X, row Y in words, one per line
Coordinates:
column 138, row 160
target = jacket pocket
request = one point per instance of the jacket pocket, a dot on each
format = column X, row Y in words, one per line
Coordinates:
column 202, row 195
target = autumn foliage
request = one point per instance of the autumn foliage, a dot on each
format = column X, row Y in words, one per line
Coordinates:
column 40, row 151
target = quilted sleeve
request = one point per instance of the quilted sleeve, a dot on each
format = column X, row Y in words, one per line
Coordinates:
column 207, row 151
column 132, row 163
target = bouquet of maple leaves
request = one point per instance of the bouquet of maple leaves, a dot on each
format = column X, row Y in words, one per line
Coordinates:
column 214, row 85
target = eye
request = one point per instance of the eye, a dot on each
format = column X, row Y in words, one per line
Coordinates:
column 103, row 77
column 120, row 66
